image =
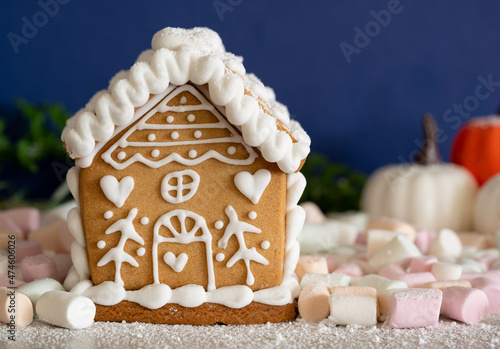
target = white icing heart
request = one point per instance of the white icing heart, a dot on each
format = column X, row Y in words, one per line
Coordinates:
column 177, row 263
column 252, row 186
column 117, row 192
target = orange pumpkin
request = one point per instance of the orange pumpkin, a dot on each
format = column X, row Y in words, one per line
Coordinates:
column 477, row 147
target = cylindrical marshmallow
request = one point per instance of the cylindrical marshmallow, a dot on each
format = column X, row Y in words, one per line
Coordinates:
column 422, row 263
column 465, row 304
column 442, row 285
column 346, row 309
column 311, row 264
column 26, row 218
column 66, row 309
column 50, row 236
column 380, row 283
column 351, row 269
column 399, row 250
column 35, row 289
column 38, row 267
column 314, row 215
column 414, row 307
column 423, row 240
column 492, row 290
column 313, row 301
column 446, row 271
column 393, row 225
column 26, row 248
column 15, row 308
column 330, row 279
column 446, row 244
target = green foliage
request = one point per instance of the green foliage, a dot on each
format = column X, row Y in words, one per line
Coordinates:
column 31, row 138
column 42, row 140
column 333, row 187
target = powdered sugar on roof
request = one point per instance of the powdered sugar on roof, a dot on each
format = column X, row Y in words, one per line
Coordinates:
column 193, row 55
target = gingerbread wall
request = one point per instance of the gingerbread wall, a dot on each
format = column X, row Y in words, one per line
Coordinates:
column 186, row 129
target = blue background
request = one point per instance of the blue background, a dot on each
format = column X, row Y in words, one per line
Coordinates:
column 365, row 113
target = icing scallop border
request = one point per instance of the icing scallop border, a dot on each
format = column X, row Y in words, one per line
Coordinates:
column 155, row 296
column 179, row 56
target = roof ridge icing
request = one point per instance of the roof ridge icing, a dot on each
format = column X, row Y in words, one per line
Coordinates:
column 196, row 55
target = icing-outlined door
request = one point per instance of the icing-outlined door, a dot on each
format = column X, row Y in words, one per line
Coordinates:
column 182, row 235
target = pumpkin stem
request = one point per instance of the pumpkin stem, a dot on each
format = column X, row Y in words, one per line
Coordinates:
column 429, row 153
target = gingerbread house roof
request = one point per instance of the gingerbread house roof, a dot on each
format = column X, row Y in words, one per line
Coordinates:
column 179, row 56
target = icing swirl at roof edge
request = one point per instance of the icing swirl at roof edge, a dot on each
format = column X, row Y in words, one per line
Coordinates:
column 196, row 55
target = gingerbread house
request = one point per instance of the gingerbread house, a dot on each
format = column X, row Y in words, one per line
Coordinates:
column 187, row 184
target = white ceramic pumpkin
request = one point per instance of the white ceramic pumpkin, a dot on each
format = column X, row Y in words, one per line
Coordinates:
column 487, row 207
column 428, row 194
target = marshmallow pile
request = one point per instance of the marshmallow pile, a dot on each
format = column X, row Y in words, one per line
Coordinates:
column 34, row 262
column 359, row 273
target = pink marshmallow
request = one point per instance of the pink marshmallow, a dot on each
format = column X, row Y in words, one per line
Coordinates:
column 27, row 248
column 418, row 279
column 397, row 272
column 330, row 261
column 361, row 239
column 469, row 305
column 487, row 259
column 39, row 267
column 26, row 218
column 313, row 301
column 391, row 271
column 423, row 240
column 421, row 264
column 62, row 270
column 6, row 224
column 492, row 290
column 51, row 236
column 311, row 265
column 351, row 269
column 414, row 307
column 492, row 274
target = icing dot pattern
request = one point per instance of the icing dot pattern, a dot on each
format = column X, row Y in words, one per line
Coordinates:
column 108, row 214
column 170, row 119
column 121, row 155
column 174, row 135
column 231, row 150
column 144, row 220
column 155, row 153
column 141, row 251
column 101, row 244
column 192, row 153
column 252, row 215
column 197, row 134
column 220, row 257
column 265, row 244
column 191, row 117
column 151, row 137
column 219, row 225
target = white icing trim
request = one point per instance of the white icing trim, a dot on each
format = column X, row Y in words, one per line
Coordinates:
column 162, row 107
column 110, row 293
column 170, row 63
column 180, row 186
column 184, row 237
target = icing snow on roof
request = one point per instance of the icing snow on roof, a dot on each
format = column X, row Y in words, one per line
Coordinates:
column 179, row 56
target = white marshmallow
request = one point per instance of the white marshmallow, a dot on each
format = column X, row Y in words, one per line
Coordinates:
column 446, row 271
column 323, row 238
column 378, row 238
column 380, row 283
column 447, row 243
column 66, row 310
column 346, row 309
column 314, row 215
column 398, row 251
column 470, row 265
column 36, row 288
column 332, row 279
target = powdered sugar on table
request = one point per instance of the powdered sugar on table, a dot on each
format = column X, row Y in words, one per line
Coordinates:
column 294, row 334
